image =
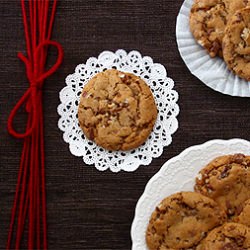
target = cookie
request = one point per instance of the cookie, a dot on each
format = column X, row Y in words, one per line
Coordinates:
column 244, row 214
column 236, row 44
column 207, row 24
column 182, row 220
column 208, row 20
column 230, row 236
column 117, row 110
column 233, row 5
column 226, row 180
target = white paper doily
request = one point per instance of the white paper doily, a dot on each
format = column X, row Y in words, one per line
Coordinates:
column 211, row 71
column 178, row 174
column 161, row 85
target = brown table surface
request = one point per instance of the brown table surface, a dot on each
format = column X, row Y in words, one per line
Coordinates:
column 88, row 209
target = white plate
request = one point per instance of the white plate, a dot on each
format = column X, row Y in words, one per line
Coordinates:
column 178, row 174
column 211, row 71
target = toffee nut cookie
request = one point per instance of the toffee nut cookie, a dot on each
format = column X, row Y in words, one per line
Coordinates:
column 236, row 43
column 208, row 20
column 226, row 180
column 233, row 5
column 230, row 236
column 182, row 220
column 117, row 110
column 207, row 23
column 244, row 216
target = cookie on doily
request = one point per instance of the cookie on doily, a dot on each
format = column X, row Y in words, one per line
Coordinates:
column 154, row 137
column 117, row 110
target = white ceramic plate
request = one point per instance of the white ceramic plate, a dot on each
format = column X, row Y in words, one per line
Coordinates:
column 211, row 71
column 178, row 174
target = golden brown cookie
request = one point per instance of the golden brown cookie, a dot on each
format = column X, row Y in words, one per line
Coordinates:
column 226, row 180
column 207, row 23
column 233, row 5
column 182, row 220
column 230, row 236
column 244, row 216
column 236, row 43
column 208, row 20
column 117, row 110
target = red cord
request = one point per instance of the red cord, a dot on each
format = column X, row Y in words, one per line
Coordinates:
column 44, row 215
column 14, row 208
column 30, row 196
column 23, row 191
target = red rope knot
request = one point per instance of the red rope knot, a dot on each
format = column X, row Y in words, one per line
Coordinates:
column 36, row 83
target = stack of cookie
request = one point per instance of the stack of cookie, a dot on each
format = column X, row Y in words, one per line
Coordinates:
column 222, row 27
column 214, row 217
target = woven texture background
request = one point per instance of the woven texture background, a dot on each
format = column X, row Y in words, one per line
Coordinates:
column 88, row 209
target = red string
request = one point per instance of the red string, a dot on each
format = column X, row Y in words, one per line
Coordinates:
column 26, row 30
column 52, row 18
column 44, row 215
column 23, row 192
column 30, row 196
column 14, row 208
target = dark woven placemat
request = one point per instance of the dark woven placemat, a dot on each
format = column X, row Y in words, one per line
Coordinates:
column 88, row 209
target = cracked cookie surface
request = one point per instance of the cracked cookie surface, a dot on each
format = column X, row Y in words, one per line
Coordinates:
column 208, row 20
column 230, row 236
column 236, row 44
column 226, row 180
column 182, row 220
column 244, row 214
column 117, row 110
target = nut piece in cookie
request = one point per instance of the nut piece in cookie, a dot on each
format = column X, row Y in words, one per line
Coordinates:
column 236, row 44
column 226, row 179
column 182, row 220
column 117, row 110
column 244, row 214
column 230, row 236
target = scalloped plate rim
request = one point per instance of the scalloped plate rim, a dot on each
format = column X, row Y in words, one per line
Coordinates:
column 168, row 162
